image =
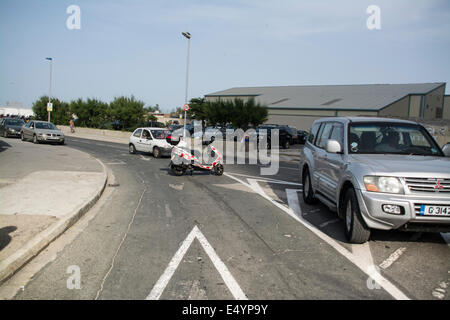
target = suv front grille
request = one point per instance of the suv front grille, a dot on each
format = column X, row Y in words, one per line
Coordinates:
column 428, row 185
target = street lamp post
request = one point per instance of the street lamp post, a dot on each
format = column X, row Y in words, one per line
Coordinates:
column 50, row 86
column 188, row 36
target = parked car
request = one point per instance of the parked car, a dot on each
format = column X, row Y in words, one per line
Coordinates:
column 293, row 131
column 178, row 132
column 42, row 131
column 152, row 140
column 173, row 127
column 290, row 131
column 11, row 127
column 302, row 136
column 210, row 132
column 285, row 136
column 377, row 173
column 155, row 124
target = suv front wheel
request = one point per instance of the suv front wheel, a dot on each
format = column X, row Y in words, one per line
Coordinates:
column 355, row 228
column 307, row 191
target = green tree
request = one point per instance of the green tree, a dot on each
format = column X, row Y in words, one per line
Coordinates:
column 59, row 115
column 91, row 113
column 219, row 113
column 246, row 113
column 128, row 111
column 152, row 108
column 240, row 113
column 198, row 110
column 151, row 117
column 257, row 113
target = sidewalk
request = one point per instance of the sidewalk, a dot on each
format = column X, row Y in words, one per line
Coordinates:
column 44, row 189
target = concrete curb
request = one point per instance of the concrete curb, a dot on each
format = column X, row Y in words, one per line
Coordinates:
column 15, row 262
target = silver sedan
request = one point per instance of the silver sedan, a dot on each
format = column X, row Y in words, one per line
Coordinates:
column 42, row 131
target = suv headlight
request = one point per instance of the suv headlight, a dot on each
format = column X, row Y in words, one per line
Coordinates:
column 383, row 184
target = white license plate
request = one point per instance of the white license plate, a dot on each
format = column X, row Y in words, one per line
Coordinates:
column 443, row 211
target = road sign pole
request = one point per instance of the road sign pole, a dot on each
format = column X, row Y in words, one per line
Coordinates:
column 50, row 88
column 187, row 83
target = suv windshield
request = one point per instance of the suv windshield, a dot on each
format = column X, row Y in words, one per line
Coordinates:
column 391, row 138
column 45, row 125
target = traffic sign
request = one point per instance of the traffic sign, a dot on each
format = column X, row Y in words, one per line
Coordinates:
column 186, row 107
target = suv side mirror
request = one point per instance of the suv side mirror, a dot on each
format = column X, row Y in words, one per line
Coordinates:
column 446, row 149
column 333, row 146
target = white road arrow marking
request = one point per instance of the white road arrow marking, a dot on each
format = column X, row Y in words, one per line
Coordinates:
column 360, row 255
column 227, row 277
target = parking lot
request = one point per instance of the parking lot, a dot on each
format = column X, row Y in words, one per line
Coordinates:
column 242, row 235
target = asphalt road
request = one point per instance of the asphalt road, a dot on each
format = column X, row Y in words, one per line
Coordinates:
column 156, row 235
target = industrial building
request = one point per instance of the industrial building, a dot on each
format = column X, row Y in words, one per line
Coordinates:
column 299, row 106
column 16, row 111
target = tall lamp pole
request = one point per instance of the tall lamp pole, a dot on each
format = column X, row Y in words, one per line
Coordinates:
column 188, row 36
column 50, row 87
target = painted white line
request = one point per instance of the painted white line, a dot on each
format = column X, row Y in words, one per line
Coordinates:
column 227, row 277
column 328, row 222
column 392, row 258
column 446, row 237
column 177, row 186
column 144, row 158
column 292, row 199
column 114, row 163
column 363, row 255
column 360, row 263
column 268, row 180
column 168, row 211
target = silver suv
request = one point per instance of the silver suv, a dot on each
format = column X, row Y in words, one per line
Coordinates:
column 377, row 173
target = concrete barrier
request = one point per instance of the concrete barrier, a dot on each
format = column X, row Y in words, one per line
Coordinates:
column 97, row 132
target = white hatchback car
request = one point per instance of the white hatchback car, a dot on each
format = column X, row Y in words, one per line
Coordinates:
column 152, row 140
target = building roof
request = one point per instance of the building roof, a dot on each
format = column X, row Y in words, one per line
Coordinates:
column 366, row 119
column 367, row 97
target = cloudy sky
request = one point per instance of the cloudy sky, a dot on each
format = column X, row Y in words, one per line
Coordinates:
column 132, row 47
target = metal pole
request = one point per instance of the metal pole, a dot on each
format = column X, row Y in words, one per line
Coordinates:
column 187, row 83
column 50, row 90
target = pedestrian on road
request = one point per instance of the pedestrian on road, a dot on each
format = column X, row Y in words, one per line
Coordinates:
column 71, row 124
